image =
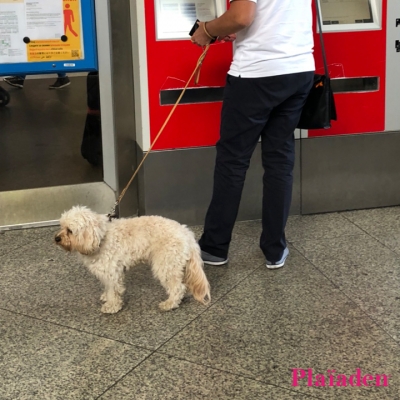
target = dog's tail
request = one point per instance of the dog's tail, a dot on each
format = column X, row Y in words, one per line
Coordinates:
column 195, row 278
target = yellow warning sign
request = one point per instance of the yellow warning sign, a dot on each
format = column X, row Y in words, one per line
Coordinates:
column 68, row 47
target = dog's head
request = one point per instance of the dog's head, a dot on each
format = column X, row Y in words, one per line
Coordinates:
column 81, row 230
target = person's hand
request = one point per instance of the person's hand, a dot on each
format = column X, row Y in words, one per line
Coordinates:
column 228, row 38
column 200, row 37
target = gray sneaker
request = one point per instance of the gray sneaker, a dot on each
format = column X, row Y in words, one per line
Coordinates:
column 209, row 259
column 16, row 81
column 280, row 263
column 60, row 83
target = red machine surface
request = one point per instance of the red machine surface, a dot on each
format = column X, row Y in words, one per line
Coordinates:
column 355, row 54
column 170, row 64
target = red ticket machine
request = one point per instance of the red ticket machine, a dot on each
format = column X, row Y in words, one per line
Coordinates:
column 354, row 35
column 354, row 164
column 171, row 59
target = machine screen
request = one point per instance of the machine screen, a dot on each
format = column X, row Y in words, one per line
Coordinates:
column 346, row 12
column 175, row 18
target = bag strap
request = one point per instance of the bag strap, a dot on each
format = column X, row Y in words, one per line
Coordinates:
column 321, row 39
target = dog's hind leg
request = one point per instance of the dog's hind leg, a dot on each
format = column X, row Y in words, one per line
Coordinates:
column 169, row 270
column 176, row 291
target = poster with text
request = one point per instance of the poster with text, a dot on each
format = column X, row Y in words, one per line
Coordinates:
column 40, row 30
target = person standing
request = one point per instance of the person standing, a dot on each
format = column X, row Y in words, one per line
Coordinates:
column 266, row 87
column 19, row 80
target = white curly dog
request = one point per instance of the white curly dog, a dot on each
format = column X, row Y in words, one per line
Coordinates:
column 107, row 249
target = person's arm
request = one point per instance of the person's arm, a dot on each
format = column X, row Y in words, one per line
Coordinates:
column 239, row 16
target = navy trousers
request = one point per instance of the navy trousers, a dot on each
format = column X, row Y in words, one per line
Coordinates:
column 268, row 108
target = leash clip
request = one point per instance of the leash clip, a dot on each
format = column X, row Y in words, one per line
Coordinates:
column 112, row 214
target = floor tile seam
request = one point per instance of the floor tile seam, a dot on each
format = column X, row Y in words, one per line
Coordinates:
column 125, row 375
column 248, row 377
column 293, row 241
column 76, row 329
column 299, row 250
column 353, row 301
column 374, row 238
column 370, row 209
column 213, row 304
column 336, row 213
column 358, row 226
column 246, row 221
column 254, row 236
column 16, row 249
column 27, row 243
column 51, row 238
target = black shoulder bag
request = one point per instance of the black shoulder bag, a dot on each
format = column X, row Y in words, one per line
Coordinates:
column 319, row 109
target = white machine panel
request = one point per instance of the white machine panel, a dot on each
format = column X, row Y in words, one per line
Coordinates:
column 392, row 120
column 175, row 18
column 351, row 15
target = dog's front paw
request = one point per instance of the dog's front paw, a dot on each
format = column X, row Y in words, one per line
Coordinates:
column 111, row 307
column 103, row 297
column 168, row 305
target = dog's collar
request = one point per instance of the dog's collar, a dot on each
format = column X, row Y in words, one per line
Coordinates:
column 111, row 217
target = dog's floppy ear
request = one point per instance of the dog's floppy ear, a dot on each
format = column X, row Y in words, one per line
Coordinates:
column 92, row 233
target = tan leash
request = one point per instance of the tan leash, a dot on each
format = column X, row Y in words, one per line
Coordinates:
column 197, row 72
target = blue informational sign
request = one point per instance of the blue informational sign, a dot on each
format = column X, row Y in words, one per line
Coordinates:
column 57, row 36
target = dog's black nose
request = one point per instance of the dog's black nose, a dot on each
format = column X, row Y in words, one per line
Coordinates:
column 57, row 239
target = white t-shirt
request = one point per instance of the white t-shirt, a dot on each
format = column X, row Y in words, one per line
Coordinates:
column 278, row 42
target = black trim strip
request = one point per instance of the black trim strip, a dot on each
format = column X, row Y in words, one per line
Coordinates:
column 192, row 95
column 348, row 85
column 215, row 94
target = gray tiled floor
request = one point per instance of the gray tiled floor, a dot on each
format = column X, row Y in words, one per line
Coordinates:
column 334, row 306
